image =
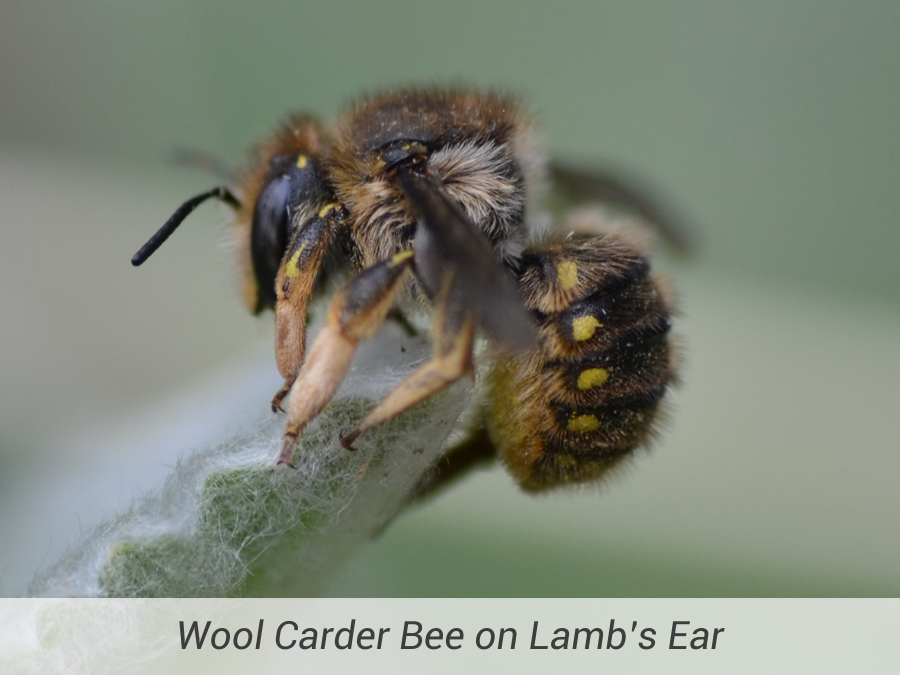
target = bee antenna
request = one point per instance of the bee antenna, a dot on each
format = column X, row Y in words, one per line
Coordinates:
column 157, row 240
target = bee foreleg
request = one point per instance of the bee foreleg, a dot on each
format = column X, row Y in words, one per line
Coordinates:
column 356, row 312
column 293, row 287
column 453, row 335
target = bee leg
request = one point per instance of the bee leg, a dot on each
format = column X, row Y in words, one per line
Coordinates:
column 453, row 336
column 281, row 394
column 293, row 287
column 356, row 312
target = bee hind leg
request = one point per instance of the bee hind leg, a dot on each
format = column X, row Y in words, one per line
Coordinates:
column 453, row 337
column 356, row 312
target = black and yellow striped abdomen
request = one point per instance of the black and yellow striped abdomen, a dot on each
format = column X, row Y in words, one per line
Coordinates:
column 569, row 410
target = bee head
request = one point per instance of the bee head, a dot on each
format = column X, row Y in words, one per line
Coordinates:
column 291, row 194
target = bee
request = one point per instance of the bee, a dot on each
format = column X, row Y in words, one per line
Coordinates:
column 431, row 198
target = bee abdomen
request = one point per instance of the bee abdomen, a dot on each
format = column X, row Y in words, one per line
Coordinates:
column 590, row 394
column 632, row 366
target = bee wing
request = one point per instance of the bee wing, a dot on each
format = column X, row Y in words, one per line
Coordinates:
column 450, row 248
column 627, row 192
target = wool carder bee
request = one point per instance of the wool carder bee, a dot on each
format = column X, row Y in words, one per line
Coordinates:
column 431, row 199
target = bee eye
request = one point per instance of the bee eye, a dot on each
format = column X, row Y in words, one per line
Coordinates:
column 269, row 236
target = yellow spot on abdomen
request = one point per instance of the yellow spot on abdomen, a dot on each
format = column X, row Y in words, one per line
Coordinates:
column 592, row 377
column 302, row 161
column 584, row 326
column 567, row 273
column 583, row 424
column 398, row 258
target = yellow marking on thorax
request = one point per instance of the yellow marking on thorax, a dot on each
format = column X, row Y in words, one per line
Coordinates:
column 398, row 258
column 325, row 210
column 567, row 273
column 583, row 423
column 302, row 161
column 592, row 377
column 584, row 326
column 292, row 269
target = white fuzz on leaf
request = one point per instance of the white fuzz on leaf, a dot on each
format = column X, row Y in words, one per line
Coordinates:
column 228, row 522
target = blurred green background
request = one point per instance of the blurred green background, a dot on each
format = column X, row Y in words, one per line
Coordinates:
column 774, row 124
